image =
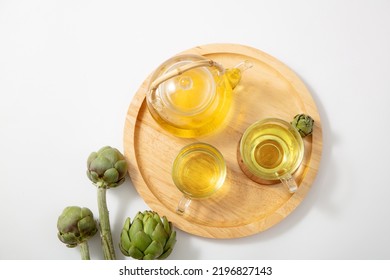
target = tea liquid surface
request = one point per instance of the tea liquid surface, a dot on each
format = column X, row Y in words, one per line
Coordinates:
column 199, row 174
column 273, row 151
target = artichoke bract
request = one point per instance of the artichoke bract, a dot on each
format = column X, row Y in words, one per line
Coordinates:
column 106, row 167
column 148, row 237
column 76, row 225
column 304, row 124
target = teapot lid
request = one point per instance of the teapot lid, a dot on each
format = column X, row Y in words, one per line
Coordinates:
column 185, row 84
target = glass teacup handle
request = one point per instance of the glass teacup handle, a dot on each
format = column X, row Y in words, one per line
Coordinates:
column 289, row 182
column 183, row 204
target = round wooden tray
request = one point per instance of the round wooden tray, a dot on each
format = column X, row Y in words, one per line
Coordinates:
column 242, row 207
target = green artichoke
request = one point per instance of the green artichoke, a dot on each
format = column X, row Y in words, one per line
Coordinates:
column 304, row 124
column 76, row 225
column 149, row 237
column 106, row 167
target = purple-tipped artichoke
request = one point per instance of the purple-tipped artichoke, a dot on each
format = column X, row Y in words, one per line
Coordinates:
column 75, row 225
column 148, row 237
column 106, row 167
column 304, row 124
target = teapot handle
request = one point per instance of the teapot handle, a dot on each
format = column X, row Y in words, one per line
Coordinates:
column 180, row 70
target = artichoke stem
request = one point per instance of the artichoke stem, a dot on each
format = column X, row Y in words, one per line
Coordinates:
column 105, row 230
column 84, row 250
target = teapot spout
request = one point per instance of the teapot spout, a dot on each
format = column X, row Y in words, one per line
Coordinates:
column 234, row 74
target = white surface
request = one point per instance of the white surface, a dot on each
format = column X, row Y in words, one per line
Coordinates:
column 69, row 69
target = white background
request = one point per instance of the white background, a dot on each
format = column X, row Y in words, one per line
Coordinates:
column 69, row 69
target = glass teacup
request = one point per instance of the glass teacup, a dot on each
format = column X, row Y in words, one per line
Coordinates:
column 271, row 150
column 199, row 170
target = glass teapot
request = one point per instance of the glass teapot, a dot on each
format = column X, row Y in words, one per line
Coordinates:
column 190, row 96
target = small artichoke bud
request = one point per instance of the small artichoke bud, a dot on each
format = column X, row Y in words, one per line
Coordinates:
column 304, row 124
column 107, row 167
column 76, row 225
column 148, row 237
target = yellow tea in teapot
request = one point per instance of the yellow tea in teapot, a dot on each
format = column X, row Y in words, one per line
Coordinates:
column 195, row 103
column 190, row 92
column 191, row 96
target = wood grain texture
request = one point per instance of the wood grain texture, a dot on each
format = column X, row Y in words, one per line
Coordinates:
column 242, row 207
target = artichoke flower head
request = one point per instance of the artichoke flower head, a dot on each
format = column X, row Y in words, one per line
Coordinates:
column 75, row 225
column 304, row 124
column 106, row 168
column 148, row 237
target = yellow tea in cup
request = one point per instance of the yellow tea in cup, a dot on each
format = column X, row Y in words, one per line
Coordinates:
column 272, row 149
column 198, row 171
